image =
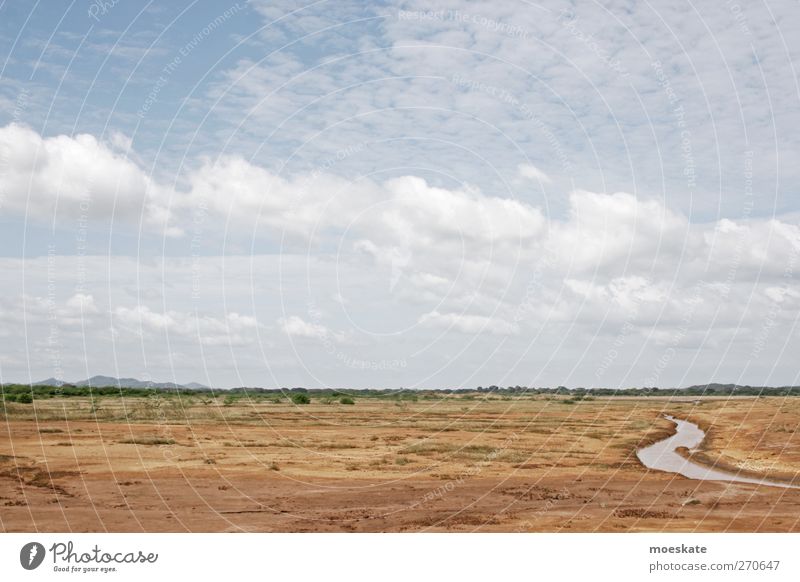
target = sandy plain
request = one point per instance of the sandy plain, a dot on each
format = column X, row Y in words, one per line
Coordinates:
column 482, row 463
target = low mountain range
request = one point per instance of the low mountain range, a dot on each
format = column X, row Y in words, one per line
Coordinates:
column 711, row 388
column 102, row 381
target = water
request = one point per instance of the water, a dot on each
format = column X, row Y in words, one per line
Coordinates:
column 662, row 457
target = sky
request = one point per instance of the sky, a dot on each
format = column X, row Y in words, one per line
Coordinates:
column 400, row 194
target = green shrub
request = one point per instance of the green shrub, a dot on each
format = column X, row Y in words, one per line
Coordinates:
column 346, row 400
column 24, row 398
column 300, row 398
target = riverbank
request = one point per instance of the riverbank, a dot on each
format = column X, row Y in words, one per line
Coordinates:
column 673, row 455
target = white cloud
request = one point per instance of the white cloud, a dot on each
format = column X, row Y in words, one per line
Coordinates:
column 532, row 172
column 468, row 324
column 63, row 177
column 566, row 313
column 83, row 303
column 233, row 329
column 272, row 205
column 297, row 327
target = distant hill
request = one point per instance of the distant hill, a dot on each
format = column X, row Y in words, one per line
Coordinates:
column 50, row 382
column 195, row 386
column 102, row 381
column 729, row 388
column 710, row 389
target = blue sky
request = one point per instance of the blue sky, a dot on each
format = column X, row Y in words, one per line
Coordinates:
column 399, row 193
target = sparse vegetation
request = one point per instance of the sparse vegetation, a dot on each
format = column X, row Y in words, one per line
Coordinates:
column 207, row 396
column 148, row 441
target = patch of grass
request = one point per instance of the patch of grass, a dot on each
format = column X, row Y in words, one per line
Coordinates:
column 246, row 444
column 473, row 452
column 50, row 430
column 401, row 461
column 148, row 441
column 336, row 445
column 429, row 447
column 514, row 456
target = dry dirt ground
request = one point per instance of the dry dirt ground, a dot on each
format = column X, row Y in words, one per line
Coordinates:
column 452, row 464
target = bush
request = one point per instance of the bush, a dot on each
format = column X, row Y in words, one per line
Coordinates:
column 24, row 398
column 347, row 400
column 300, row 398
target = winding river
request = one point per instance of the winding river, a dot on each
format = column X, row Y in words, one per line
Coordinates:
column 663, row 457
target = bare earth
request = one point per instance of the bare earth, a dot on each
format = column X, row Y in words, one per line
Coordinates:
column 453, row 464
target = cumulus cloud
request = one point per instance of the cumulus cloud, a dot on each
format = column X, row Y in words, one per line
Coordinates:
column 69, row 314
column 232, row 329
column 617, row 232
column 568, row 313
column 77, row 177
column 269, row 204
column 297, row 327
